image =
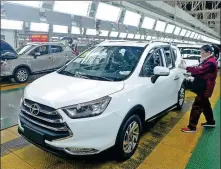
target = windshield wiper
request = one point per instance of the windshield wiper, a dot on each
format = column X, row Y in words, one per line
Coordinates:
column 85, row 76
column 72, row 74
column 99, row 78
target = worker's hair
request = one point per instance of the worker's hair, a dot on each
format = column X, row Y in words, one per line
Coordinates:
column 207, row 48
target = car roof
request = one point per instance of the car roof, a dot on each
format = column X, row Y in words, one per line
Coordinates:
column 129, row 43
column 189, row 45
column 45, row 43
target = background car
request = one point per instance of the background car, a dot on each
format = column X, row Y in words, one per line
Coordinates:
column 34, row 58
column 190, row 53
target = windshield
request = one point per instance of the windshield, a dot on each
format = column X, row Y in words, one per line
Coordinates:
column 24, row 49
column 111, row 63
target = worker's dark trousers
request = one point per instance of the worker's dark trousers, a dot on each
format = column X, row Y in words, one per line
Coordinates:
column 201, row 104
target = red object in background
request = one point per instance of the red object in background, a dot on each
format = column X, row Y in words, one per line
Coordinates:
column 39, row 38
column 76, row 52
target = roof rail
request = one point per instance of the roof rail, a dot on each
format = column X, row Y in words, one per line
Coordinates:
column 152, row 41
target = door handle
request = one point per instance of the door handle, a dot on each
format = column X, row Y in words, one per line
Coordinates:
column 176, row 78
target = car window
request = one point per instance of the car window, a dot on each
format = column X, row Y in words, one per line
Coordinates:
column 153, row 59
column 113, row 63
column 42, row 50
column 56, row 49
column 168, row 57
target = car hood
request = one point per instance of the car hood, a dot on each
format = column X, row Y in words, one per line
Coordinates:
column 56, row 90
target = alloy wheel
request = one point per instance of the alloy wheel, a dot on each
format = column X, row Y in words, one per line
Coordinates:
column 131, row 137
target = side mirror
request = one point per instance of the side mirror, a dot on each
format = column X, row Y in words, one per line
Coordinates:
column 161, row 71
column 37, row 54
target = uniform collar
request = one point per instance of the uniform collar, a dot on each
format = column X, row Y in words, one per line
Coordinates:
column 204, row 59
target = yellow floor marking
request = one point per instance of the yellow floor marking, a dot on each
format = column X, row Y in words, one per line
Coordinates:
column 11, row 161
column 5, row 88
column 37, row 157
column 14, row 130
column 7, row 135
column 174, row 151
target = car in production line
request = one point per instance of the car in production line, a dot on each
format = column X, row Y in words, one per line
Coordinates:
column 102, row 99
column 191, row 54
column 33, row 58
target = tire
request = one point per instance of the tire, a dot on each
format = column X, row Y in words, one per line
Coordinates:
column 21, row 75
column 181, row 97
column 133, row 121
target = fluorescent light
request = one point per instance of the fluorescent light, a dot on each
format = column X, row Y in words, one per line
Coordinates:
column 11, row 24
column 75, row 30
column 177, row 31
column 188, row 34
column 149, row 37
column 36, row 4
column 137, row 36
column 130, row 36
column 131, row 18
column 114, row 34
column 192, row 34
column 196, row 35
column 143, row 37
column 123, row 35
column 81, row 8
column 160, row 26
column 170, row 28
column 108, row 12
column 148, row 23
column 103, row 33
column 91, row 32
column 60, row 29
column 39, row 27
column 199, row 37
column 183, row 32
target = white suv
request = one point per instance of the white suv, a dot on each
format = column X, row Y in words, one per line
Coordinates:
column 102, row 98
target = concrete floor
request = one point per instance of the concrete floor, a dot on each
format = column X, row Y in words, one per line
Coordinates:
column 11, row 94
column 10, row 101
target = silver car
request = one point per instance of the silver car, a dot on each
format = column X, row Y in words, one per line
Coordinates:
column 35, row 58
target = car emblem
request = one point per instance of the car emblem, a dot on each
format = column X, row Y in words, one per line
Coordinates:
column 35, row 109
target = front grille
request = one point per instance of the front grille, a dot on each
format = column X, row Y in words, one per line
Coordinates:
column 47, row 117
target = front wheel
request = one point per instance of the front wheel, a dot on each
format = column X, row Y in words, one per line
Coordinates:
column 128, row 137
column 181, row 97
column 21, row 75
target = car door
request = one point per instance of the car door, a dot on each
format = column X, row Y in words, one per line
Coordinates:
column 41, row 60
column 152, row 93
column 169, row 84
column 60, row 57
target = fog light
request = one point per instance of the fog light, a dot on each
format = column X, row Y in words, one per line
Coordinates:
column 81, row 151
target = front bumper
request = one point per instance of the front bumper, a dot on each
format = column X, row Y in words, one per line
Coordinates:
column 54, row 150
column 90, row 135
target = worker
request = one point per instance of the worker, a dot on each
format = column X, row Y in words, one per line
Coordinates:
column 206, row 70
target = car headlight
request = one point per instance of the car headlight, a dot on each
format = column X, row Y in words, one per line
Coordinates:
column 89, row 109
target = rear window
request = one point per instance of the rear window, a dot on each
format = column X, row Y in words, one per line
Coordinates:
column 6, row 47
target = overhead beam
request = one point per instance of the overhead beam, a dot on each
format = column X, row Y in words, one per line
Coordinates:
column 195, row 7
column 205, row 11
